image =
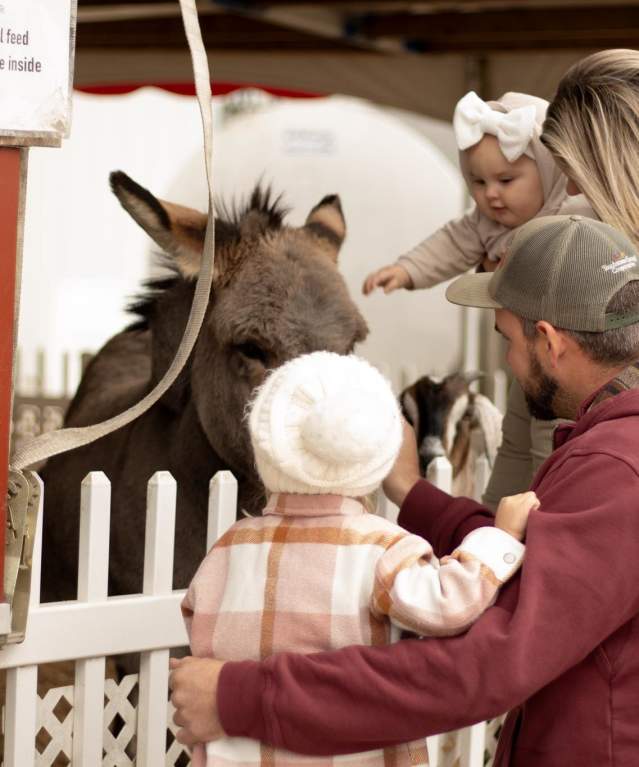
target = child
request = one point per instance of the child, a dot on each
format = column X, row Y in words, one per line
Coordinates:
column 512, row 178
column 316, row 571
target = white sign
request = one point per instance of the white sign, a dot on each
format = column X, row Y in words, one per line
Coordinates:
column 35, row 62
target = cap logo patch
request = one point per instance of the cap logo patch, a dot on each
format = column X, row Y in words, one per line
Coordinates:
column 620, row 263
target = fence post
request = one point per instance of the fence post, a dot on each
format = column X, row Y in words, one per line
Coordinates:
column 158, row 579
column 222, row 506
column 93, row 574
column 473, row 741
column 22, row 683
column 440, row 473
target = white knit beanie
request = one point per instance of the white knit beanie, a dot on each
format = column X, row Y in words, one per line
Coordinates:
column 325, row 423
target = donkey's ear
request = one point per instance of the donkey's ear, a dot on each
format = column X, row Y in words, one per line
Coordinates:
column 326, row 222
column 177, row 230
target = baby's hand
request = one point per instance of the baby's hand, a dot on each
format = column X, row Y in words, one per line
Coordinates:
column 512, row 513
column 390, row 278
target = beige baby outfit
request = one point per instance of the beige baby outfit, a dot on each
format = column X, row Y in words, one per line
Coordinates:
column 463, row 243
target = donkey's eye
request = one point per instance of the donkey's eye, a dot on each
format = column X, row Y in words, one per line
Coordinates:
column 252, row 351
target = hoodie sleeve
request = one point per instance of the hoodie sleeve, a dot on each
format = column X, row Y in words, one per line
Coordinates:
column 450, row 251
column 429, row 597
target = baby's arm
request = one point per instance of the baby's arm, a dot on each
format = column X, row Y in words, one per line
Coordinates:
column 432, row 597
column 390, row 278
column 451, row 250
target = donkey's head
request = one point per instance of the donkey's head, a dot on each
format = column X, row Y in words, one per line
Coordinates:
column 276, row 294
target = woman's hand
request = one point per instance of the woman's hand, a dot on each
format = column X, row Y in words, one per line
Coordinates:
column 389, row 278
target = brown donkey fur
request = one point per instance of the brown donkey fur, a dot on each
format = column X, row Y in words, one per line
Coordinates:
column 277, row 293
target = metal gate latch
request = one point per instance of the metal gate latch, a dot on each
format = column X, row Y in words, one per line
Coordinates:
column 23, row 497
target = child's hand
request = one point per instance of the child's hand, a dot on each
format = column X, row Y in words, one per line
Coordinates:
column 389, row 278
column 512, row 513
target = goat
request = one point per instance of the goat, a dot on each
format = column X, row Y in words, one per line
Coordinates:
column 452, row 421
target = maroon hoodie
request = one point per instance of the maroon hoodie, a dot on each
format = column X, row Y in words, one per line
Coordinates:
column 560, row 648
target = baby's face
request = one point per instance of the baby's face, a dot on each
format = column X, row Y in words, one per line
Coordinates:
column 509, row 193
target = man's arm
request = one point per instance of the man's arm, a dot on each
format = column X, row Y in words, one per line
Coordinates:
column 426, row 511
column 581, row 554
column 442, row 520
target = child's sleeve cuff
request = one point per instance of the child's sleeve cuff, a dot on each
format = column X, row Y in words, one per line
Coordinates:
column 496, row 549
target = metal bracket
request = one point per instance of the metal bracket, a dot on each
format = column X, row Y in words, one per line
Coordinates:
column 23, row 498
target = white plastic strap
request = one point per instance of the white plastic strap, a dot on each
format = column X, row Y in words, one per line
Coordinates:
column 52, row 443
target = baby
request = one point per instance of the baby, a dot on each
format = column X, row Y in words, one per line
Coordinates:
column 316, row 571
column 512, row 178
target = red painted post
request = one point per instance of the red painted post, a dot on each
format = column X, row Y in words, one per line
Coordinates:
column 11, row 160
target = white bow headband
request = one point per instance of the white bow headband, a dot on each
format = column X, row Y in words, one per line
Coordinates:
column 514, row 130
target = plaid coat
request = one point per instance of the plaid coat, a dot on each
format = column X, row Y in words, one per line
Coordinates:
column 317, row 572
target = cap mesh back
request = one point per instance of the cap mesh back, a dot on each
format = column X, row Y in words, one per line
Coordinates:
column 565, row 269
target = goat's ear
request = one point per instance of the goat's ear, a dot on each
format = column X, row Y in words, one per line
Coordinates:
column 409, row 406
column 326, row 222
column 177, row 230
column 471, row 376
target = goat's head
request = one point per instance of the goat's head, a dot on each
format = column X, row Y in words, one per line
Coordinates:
column 441, row 413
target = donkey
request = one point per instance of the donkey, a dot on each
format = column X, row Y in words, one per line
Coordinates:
column 452, row 421
column 276, row 294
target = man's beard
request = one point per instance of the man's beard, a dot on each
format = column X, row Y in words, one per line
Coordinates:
column 540, row 391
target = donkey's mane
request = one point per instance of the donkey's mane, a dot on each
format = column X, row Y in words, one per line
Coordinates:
column 228, row 232
column 143, row 303
column 261, row 201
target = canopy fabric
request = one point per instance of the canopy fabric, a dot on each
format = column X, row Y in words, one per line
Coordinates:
column 419, row 56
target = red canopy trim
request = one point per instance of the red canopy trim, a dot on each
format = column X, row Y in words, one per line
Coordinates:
column 188, row 89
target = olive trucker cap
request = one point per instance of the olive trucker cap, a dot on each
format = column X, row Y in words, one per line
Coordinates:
column 562, row 269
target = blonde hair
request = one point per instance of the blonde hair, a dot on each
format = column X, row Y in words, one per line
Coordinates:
column 592, row 129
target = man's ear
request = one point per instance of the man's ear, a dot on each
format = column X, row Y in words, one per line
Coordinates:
column 554, row 343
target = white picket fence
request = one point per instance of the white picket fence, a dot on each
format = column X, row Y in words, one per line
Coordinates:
column 76, row 722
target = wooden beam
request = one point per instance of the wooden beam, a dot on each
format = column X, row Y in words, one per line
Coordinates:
column 223, row 31
column 473, row 27
column 511, row 29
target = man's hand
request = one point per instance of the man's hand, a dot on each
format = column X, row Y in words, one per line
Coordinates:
column 193, row 685
column 405, row 472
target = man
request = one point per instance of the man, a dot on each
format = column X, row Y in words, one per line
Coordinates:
column 560, row 648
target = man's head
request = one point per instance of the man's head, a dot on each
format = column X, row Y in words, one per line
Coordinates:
column 567, row 302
